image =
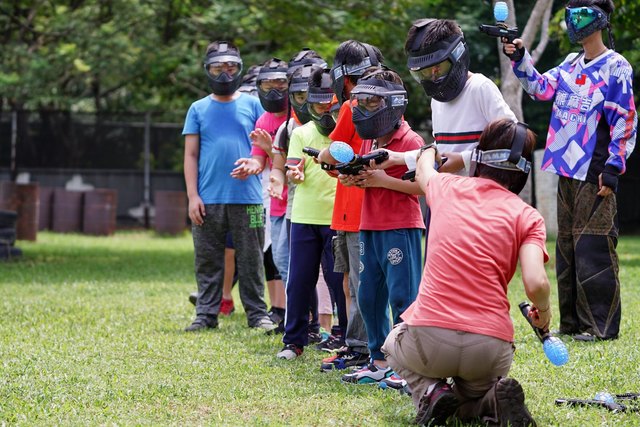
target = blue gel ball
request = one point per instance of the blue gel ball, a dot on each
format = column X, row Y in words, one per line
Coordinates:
column 605, row 397
column 341, row 151
column 500, row 11
column 556, row 351
column 382, row 385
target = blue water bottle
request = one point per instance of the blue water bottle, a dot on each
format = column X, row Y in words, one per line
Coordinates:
column 553, row 347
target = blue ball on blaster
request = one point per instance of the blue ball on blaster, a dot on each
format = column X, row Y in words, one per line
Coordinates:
column 341, row 151
column 500, row 11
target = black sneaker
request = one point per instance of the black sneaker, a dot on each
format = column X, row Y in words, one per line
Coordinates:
column 331, row 344
column 345, row 360
column 279, row 330
column 436, row 407
column 275, row 315
column 314, row 338
column 202, row 323
column 511, row 408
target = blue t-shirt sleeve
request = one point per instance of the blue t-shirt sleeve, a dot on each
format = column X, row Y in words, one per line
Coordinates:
column 191, row 122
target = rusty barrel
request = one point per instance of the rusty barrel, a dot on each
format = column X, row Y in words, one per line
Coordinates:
column 24, row 199
column 100, row 207
column 46, row 208
column 171, row 211
column 67, row 211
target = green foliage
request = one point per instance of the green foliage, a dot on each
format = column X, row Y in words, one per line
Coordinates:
column 92, row 335
column 142, row 55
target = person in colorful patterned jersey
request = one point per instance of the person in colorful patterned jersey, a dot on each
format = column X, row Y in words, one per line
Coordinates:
column 591, row 134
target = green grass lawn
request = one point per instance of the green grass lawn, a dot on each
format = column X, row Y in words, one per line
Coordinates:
column 91, row 334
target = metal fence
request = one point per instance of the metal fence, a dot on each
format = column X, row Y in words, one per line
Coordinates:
column 147, row 148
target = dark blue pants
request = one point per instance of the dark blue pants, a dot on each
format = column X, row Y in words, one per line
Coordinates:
column 310, row 245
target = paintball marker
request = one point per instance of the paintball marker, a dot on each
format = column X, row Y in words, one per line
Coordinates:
column 350, row 163
column 606, row 400
column 501, row 29
column 314, row 152
column 553, row 347
column 359, row 162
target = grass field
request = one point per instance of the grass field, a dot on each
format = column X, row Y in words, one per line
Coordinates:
column 91, row 334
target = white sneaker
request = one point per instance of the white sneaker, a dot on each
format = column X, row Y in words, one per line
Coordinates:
column 266, row 324
column 289, row 352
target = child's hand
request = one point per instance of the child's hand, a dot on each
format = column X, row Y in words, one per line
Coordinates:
column 196, row 210
column 296, row 172
column 372, row 178
column 349, row 180
column 394, row 159
column 275, row 187
column 262, row 139
column 246, row 167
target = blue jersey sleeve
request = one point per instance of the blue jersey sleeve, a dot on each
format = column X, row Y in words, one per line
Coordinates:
column 620, row 113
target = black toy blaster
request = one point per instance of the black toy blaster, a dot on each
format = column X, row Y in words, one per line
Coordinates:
column 525, row 307
column 359, row 162
column 609, row 403
column 314, row 152
column 553, row 347
column 501, row 29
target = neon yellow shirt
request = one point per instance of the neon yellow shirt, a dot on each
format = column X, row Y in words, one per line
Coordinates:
column 314, row 197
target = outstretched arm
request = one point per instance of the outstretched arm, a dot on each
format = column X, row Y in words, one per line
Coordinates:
column 541, row 87
column 536, row 283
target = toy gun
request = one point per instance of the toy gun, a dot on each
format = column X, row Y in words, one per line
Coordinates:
column 553, row 347
column 350, row 163
column 314, row 152
column 501, row 29
column 359, row 162
column 604, row 399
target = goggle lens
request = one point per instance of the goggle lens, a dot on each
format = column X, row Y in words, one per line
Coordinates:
column 318, row 109
column 277, row 84
column 581, row 17
column 433, row 73
column 298, row 98
column 217, row 68
column 368, row 104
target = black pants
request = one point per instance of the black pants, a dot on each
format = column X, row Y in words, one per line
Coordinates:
column 587, row 261
column 246, row 225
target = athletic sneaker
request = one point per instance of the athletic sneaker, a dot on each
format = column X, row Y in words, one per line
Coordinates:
column 369, row 374
column 201, row 323
column 395, row 382
column 344, row 360
column 266, row 324
column 437, row 406
column 290, row 352
column 511, row 408
column 331, row 344
column 226, row 307
column 314, row 338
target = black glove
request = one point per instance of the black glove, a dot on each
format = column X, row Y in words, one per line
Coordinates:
column 515, row 56
column 610, row 180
